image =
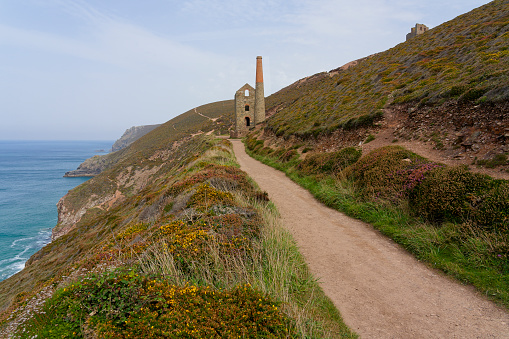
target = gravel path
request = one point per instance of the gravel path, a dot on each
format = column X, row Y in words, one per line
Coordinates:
column 380, row 289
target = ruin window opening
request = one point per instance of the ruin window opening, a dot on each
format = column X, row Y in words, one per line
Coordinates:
column 246, row 93
column 248, row 122
column 246, row 108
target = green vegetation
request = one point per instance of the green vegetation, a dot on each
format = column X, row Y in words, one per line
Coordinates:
column 173, row 239
column 369, row 138
column 122, row 304
column 175, row 129
column 498, row 160
column 455, row 220
column 196, row 252
column 464, row 60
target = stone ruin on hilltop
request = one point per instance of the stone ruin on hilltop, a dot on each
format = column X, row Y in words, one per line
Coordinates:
column 249, row 105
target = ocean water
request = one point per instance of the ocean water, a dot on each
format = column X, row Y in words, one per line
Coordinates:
column 31, row 183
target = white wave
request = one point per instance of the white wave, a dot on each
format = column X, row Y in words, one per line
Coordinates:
column 13, row 265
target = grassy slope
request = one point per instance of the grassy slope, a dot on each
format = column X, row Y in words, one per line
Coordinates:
column 171, row 238
column 176, row 128
column 462, row 229
column 136, row 155
column 465, row 59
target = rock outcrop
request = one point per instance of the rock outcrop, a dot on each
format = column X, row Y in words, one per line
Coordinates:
column 130, row 135
column 91, row 167
column 98, row 163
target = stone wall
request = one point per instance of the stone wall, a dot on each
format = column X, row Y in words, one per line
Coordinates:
column 244, row 110
column 250, row 108
column 417, row 30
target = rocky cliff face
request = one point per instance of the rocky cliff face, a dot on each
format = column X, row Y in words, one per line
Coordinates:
column 90, row 167
column 130, row 135
column 69, row 216
column 98, row 163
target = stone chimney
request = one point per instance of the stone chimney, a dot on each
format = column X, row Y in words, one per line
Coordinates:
column 259, row 114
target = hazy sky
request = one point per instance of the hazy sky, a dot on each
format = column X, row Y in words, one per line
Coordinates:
column 76, row 69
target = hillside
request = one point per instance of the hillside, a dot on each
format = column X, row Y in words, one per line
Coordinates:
column 448, row 86
column 213, row 118
column 404, row 140
column 171, row 238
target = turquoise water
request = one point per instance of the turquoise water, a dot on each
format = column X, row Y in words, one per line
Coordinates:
column 31, row 183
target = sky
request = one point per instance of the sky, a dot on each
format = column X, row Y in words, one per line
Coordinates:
column 90, row 69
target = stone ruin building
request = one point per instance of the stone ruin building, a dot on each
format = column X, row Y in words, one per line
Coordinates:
column 415, row 31
column 249, row 105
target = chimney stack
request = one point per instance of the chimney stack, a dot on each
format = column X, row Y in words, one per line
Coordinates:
column 259, row 114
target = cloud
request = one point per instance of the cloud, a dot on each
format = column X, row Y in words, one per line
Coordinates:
column 238, row 12
column 79, row 9
column 109, row 41
column 124, row 63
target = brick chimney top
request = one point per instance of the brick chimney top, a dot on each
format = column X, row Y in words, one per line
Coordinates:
column 259, row 70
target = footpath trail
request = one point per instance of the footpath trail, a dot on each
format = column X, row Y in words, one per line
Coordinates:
column 380, row 289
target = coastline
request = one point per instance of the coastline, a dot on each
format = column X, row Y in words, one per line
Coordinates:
column 32, row 184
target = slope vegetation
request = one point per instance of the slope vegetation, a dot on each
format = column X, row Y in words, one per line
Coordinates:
column 172, row 241
column 464, row 61
column 214, row 118
column 445, row 94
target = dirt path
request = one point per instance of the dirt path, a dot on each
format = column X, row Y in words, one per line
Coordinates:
column 211, row 119
column 380, row 289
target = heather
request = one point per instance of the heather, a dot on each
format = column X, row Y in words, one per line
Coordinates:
column 462, row 61
column 447, row 216
column 197, row 252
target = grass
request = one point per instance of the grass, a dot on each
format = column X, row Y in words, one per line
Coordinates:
column 463, row 60
column 470, row 253
column 198, row 252
column 175, row 129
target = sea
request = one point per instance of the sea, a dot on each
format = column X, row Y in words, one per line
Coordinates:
column 31, row 183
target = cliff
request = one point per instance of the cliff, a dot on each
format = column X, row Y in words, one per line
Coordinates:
column 91, row 167
column 130, row 135
column 98, row 163
column 212, row 118
column 173, row 207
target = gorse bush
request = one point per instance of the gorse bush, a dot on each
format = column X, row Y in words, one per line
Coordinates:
column 126, row 304
column 206, row 196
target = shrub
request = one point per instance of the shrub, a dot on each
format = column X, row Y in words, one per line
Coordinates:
column 449, row 193
column 253, row 144
column 123, row 304
column 332, row 162
column 207, row 195
column 473, row 94
column 369, row 138
column 265, row 151
column 288, row 155
column 389, row 172
column 228, row 173
column 498, row 160
column 493, row 209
